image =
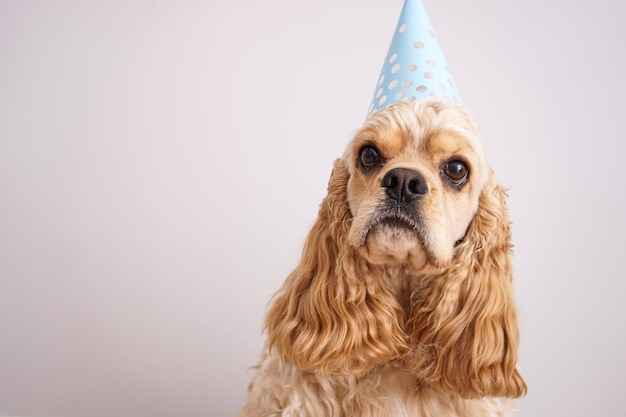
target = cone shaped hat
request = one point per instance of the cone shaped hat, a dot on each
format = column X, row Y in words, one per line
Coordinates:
column 415, row 67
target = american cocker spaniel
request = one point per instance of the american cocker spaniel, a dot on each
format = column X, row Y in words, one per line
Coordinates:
column 402, row 302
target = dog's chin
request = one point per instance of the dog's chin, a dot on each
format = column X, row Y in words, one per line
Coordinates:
column 394, row 244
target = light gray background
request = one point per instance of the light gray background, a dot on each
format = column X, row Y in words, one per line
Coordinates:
column 162, row 161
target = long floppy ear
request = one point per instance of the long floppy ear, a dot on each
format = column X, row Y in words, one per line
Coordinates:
column 333, row 314
column 463, row 330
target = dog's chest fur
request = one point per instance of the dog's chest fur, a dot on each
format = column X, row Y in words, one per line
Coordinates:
column 389, row 391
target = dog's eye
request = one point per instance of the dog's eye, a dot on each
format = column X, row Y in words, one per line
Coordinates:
column 369, row 157
column 456, row 172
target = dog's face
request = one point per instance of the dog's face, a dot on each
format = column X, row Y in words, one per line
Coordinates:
column 416, row 173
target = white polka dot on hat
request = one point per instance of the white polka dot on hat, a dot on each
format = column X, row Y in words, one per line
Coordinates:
column 415, row 67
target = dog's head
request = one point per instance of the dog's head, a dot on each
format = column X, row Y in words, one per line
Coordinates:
column 416, row 174
column 408, row 261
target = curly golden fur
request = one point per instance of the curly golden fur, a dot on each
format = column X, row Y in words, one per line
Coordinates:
column 402, row 302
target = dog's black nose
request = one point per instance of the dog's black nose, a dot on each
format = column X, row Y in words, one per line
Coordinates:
column 404, row 185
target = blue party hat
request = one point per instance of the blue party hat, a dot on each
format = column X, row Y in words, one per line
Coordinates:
column 415, row 67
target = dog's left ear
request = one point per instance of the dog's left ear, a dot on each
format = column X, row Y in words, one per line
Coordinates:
column 463, row 331
column 334, row 314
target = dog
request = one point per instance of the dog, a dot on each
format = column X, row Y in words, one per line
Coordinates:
column 402, row 302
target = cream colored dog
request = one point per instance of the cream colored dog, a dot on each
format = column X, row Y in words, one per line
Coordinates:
column 402, row 302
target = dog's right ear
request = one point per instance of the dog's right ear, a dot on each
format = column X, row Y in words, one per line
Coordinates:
column 463, row 330
column 333, row 315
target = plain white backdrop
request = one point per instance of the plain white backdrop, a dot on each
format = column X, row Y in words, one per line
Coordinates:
column 161, row 163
